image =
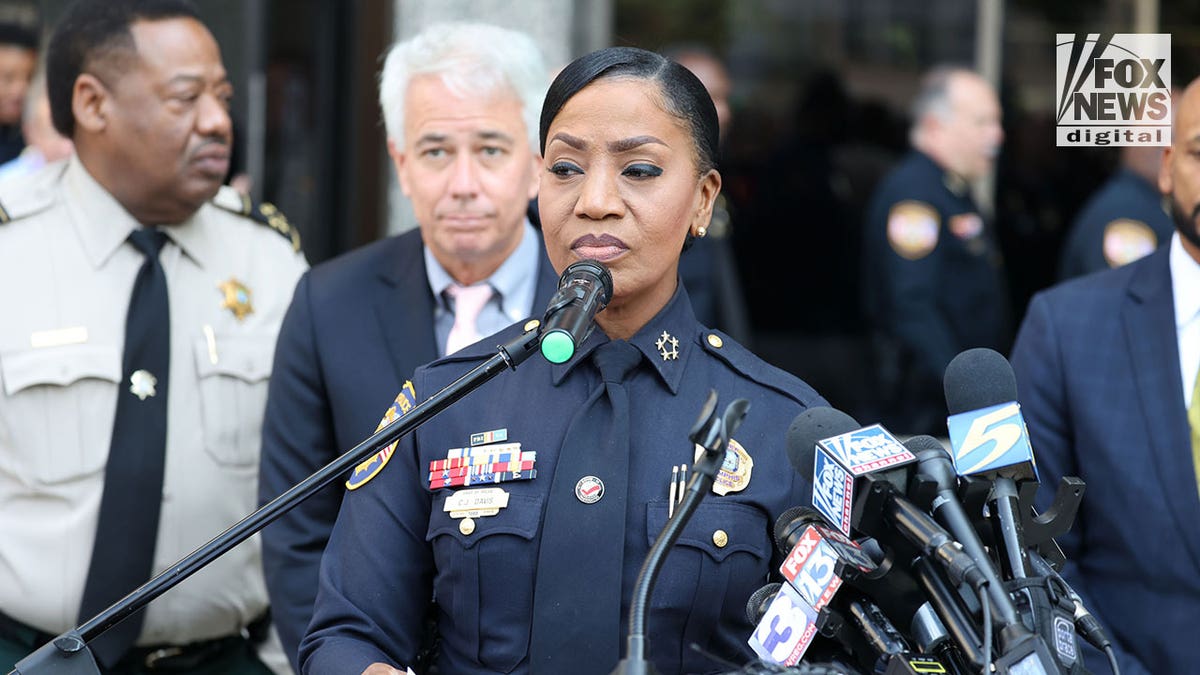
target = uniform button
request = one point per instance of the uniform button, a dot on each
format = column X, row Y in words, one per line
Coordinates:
column 531, row 324
column 467, row 526
column 715, row 340
column 720, row 538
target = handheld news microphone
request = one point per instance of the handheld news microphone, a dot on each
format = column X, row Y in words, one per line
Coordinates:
column 584, row 289
column 794, row 524
column 934, row 467
column 757, row 605
column 865, row 480
column 989, row 439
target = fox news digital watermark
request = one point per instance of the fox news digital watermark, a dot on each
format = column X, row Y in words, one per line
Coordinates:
column 1113, row 89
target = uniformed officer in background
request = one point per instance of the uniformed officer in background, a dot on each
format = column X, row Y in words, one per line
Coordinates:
column 533, row 572
column 1122, row 221
column 141, row 303
column 933, row 278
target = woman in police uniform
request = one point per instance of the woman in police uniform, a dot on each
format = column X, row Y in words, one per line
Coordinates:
column 532, row 571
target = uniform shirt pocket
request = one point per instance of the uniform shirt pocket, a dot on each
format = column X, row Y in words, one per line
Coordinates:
column 720, row 559
column 57, row 410
column 484, row 580
column 233, row 394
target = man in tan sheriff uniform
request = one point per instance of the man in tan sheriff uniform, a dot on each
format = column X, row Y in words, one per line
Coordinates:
column 140, row 87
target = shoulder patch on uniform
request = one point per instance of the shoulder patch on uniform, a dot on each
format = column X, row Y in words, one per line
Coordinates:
column 912, row 229
column 405, row 401
column 29, row 194
column 265, row 213
column 1126, row 240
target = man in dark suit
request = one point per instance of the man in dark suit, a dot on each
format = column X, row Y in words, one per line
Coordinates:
column 1107, row 369
column 461, row 104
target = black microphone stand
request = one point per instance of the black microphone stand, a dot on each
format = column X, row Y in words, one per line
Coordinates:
column 711, row 433
column 68, row 653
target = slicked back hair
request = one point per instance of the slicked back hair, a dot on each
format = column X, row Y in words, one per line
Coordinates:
column 682, row 93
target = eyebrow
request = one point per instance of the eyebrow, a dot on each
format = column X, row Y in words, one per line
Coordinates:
column 192, row 80
column 494, row 136
column 626, row 144
column 577, row 143
column 623, row 145
column 189, row 77
column 431, row 138
column 489, row 135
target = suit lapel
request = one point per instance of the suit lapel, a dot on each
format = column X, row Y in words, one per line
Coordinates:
column 405, row 308
column 1148, row 312
column 404, row 305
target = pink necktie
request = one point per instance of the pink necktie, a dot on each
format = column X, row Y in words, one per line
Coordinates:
column 468, row 303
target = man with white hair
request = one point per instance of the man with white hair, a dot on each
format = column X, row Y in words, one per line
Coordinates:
column 461, row 104
column 933, row 279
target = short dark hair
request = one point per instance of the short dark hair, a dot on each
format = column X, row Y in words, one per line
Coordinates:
column 91, row 31
column 682, row 92
column 15, row 35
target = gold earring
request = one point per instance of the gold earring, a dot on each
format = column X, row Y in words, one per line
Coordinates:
column 701, row 231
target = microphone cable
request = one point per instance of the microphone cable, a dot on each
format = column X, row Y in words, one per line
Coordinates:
column 985, row 610
column 1112, row 659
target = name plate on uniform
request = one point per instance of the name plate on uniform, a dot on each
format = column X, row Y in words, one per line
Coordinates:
column 476, row 503
column 58, row 337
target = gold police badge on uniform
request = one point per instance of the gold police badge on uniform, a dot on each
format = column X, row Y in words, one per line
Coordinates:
column 1127, row 240
column 735, row 471
column 912, row 229
column 237, row 298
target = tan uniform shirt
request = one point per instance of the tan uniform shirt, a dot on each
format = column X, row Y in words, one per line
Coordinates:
column 66, row 274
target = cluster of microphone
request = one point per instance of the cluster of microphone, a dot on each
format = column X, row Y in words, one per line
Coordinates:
column 912, row 559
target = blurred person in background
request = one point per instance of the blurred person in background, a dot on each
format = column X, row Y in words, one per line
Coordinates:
column 1126, row 219
column 933, row 279
column 18, row 60
column 44, row 145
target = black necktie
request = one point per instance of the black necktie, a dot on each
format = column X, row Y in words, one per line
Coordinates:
column 123, row 555
column 577, row 595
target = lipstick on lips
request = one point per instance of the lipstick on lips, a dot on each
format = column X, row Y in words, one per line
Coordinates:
column 602, row 247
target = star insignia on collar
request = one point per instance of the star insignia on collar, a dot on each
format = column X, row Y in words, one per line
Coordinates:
column 237, row 298
column 663, row 341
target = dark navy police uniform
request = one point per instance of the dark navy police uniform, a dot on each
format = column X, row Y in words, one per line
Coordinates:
column 394, row 539
column 1122, row 222
column 933, row 286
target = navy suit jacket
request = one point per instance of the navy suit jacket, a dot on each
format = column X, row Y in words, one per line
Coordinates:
column 358, row 327
column 1097, row 364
